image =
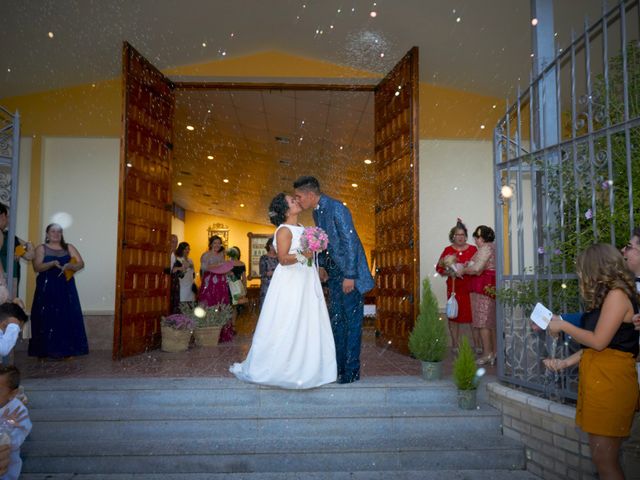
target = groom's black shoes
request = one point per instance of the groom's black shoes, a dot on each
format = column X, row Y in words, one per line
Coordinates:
column 345, row 378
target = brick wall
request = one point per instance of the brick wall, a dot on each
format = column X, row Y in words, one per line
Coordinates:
column 555, row 448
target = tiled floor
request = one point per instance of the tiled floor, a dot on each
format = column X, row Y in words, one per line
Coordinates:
column 204, row 362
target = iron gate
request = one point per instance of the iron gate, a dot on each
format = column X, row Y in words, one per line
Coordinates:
column 554, row 200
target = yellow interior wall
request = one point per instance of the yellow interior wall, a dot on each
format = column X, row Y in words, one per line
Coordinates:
column 195, row 234
column 95, row 110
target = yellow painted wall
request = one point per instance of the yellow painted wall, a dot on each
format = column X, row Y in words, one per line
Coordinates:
column 195, row 234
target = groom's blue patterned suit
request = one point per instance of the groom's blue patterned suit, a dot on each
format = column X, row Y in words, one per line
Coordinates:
column 344, row 258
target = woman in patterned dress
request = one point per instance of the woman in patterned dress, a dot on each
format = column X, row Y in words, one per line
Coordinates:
column 462, row 252
column 482, row 269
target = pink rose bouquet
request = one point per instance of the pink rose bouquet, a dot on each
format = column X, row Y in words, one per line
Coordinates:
column 315, row 240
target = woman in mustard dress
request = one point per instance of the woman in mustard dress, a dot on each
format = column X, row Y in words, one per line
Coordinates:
column 607, row 383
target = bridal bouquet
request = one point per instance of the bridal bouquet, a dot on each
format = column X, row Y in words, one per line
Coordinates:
column 315, row 240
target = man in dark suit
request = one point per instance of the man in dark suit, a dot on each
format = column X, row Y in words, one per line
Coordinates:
column 344, row 266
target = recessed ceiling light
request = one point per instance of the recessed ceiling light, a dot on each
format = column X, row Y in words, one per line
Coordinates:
column 481, row 127
column 190, row 128
column 458, row 20
column 367, row 161
column 50, row 34
column 204, row 44
column 242, row 205
column 493, row 106
column 210, row 157
column 373, row 14
column 179, row 184
column 225, row 180
column 354, row 185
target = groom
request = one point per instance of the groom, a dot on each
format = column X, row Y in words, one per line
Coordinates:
column 345, row 264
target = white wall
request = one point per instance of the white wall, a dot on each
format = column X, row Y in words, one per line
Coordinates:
column 80, row 179
column 456, row 180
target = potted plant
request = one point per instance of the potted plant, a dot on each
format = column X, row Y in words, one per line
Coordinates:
column 208, row 322
column 428, row 339
column 176, row 332
column 464, row 376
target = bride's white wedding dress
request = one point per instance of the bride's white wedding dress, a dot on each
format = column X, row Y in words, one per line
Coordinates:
column 293, row 344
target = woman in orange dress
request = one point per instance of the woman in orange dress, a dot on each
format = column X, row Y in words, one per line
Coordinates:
column 453, row 258
column 607, row 382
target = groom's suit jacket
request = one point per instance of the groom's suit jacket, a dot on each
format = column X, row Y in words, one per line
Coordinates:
column 345, row 249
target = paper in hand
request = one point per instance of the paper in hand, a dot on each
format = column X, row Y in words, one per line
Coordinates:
column 541, row 316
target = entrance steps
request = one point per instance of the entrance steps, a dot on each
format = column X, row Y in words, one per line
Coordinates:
column 214, row 428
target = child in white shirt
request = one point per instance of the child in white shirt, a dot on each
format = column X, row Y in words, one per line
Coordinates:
column 12, row 319
column 14, row 417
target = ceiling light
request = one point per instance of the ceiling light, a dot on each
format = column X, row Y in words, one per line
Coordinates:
column 458, row 20
column 397, row 93
column 190, row 128
column 373, row 14
column 493, row 106
column 534, row 21
column 225, row 180
column 179, row 184
column 481, row 127
column 344, row 203
column 382, row 55
column 50, row 34
column 341, row 147
column 367, row 161
column 210, row 157
column 354, row 185
column 242, row 205
column 129, row 165
column 204, row 44
column 224, row 54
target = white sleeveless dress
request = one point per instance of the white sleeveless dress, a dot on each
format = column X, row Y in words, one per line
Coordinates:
column 293, row 344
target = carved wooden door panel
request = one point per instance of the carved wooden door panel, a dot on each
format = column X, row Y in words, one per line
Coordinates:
column 397, row 241
column 144, row 212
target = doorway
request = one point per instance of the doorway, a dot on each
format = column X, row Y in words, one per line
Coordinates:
column 155, row 132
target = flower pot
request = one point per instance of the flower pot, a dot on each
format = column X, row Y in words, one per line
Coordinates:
column 467, row 399
column 174, row 340
column 432, row 371
column 207, row 336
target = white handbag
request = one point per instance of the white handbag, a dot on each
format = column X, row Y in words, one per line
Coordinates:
column 452, row 306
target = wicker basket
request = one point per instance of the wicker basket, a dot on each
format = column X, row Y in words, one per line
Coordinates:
column 207, row 336
column 174, row 340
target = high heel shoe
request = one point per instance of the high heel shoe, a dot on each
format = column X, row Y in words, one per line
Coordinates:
column 487, row 360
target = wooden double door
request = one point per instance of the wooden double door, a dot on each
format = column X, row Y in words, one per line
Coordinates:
column 145, row 202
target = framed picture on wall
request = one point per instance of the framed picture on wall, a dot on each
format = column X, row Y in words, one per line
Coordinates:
column 257, row 241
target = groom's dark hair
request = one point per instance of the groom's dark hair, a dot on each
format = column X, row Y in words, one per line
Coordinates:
column 308, row 183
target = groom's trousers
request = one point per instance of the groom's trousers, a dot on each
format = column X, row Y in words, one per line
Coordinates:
column 346, row 312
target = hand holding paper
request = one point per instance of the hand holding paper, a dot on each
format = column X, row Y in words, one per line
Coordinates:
column 541, row 316
column 68, row 273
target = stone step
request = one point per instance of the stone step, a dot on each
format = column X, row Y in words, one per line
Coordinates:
column 214, row 392
column 226, row 427
column 263, row 428
column 344, row 475
column 214, row 443
column 256, row 412
column 336, row 461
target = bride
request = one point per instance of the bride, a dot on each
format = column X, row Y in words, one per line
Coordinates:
column 293, row 344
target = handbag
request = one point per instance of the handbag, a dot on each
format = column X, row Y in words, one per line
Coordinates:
column 452, row 306
column 451, row 309
column 238, row 291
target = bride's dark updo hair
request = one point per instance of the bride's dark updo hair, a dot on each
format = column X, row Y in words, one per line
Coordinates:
column 278, row 209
